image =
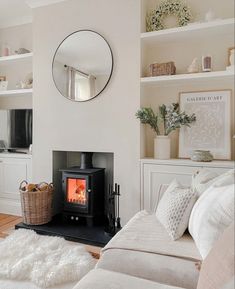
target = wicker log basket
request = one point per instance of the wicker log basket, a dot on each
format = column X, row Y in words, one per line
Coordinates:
column 36, row 203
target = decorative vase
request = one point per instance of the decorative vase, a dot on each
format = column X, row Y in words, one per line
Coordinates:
column 201, row 156
column 162, row 147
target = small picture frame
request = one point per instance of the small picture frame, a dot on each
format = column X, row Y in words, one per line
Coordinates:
column 212, row 129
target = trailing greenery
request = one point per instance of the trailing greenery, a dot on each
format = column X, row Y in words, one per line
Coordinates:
column 170, row 116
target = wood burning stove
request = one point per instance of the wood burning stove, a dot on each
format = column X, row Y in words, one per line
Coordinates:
column 83, row 189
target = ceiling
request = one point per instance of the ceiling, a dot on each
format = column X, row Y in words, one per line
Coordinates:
column 18, row 12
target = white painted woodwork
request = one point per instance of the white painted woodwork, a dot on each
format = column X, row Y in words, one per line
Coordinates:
column 180, row 79
column 14, row 168
column 155, row 173
column 16, row 92
column 192, row 31
column 12, row 59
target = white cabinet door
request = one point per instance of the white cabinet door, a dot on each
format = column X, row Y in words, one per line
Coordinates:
column 12, row 172
column 153, row 176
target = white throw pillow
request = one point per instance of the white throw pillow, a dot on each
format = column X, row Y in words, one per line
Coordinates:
column 225, row 179
column 174, row 209
column 211, row 215
column 202, row 180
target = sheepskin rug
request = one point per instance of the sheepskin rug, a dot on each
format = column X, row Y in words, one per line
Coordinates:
column 45, row 261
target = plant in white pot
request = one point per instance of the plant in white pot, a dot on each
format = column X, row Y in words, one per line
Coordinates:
column 168, row 119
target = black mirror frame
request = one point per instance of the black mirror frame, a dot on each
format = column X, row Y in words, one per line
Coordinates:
column 111, row 72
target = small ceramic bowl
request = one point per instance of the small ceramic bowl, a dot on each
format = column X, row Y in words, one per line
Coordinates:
column 201, row 156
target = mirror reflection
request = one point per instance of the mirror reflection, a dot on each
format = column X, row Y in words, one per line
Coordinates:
column 82, row 65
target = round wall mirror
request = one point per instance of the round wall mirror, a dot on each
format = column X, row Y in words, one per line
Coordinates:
column 82, row 65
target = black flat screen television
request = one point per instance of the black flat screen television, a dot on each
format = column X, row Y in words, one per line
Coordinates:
column 16, row 128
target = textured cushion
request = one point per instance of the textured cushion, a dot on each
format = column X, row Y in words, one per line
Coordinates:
column 212, row 213
column 202, row 180
column 174, row 209
column 217, row 270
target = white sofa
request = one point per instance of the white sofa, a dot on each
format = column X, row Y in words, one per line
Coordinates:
column 121, row 267
column 143, row 249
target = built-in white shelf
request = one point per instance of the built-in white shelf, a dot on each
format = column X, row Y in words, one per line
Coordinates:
column 16, row 92
column 190, row 32
column 179, row 79
column 188, row 162
column 16, row 57
column 15, row 155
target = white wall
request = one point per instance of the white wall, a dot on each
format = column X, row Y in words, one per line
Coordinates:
column 105, row 124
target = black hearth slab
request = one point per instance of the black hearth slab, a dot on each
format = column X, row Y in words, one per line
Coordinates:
column 72, row 232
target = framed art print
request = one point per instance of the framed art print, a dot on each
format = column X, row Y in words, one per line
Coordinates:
column 212, row 129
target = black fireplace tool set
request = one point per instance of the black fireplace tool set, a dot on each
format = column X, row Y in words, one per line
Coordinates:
column 114, row 221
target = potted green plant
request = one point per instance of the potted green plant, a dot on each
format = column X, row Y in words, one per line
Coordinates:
column 168, row 119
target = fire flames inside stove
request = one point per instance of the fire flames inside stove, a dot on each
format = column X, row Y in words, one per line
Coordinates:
column 76, row 191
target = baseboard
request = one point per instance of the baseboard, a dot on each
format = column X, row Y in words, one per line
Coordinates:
column 10, row 207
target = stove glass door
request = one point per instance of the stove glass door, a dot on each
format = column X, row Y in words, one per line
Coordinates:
column 77, row 191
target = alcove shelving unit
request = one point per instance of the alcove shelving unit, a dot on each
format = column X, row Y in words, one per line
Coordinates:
column 14, row 60
column 182, row 45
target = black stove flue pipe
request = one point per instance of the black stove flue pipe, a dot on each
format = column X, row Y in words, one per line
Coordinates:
column 86, row 160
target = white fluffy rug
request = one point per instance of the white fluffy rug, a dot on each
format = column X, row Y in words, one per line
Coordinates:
column 45, row 261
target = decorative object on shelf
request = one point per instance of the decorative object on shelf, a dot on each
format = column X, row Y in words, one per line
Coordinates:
column 22, row 51
column 157, row 69
column 194, row 66
column 231, row 58
column 206, row 63
column 114, row 220
column 212, row 129
column 27, row 83
column 169, row 118
column 3, row 83
column 162, row 147
column 5, row 50
column 201, row 156
column 155, row 19
column 210, row 16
